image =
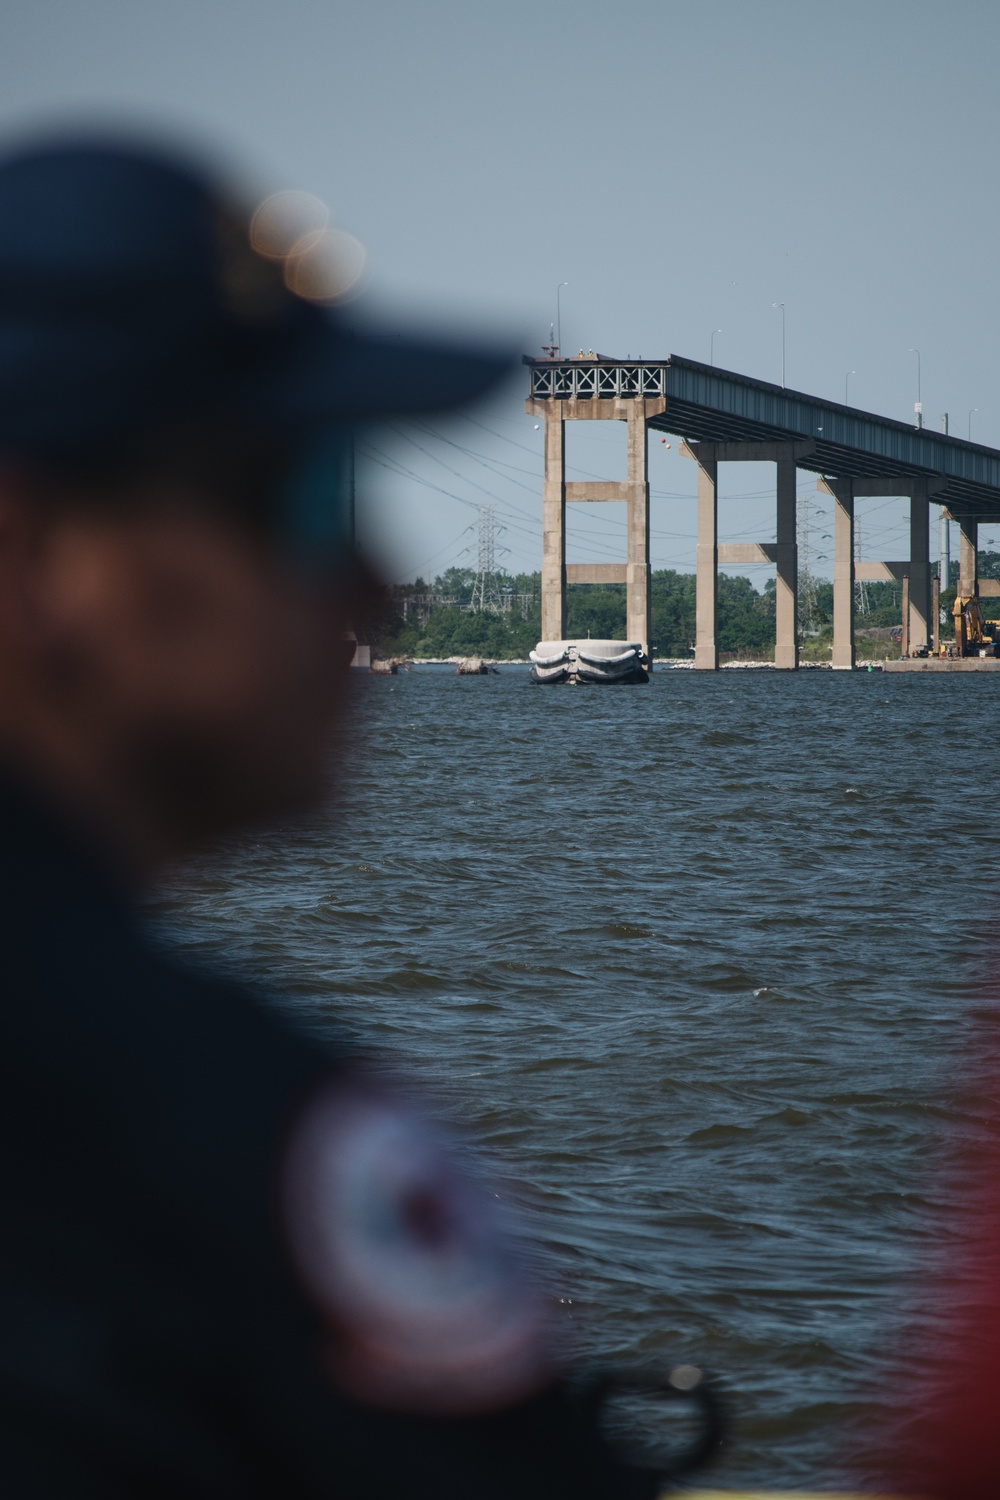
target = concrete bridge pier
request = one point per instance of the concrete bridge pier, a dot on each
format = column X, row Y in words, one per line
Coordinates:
column 783, row 552
column 920, row 629
column 968, row 552
column 914, row 572
column 706, row 646
column 554, row 528
column 638, row 570
column 786, row 583
column 842, row 490
column 557, row 492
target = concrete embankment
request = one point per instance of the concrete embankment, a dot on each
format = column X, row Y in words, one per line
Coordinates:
column 944, row 664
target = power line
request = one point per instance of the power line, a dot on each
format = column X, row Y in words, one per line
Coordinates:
column 385, row 462
column 533, row 521
column 532, row 490
column 436, row 459
column 395, row 467
column 529, row 523
column 435, row 555
column 588, row 473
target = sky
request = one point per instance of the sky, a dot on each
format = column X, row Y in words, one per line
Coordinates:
column 682, row 167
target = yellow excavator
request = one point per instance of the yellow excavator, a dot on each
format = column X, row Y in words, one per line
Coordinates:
column 974, row 636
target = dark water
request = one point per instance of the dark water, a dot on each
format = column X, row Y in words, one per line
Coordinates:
column 696, row 963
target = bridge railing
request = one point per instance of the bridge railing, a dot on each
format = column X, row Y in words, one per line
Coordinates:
column 586, row 379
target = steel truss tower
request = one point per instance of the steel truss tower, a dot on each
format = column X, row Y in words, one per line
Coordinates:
column 486, row 594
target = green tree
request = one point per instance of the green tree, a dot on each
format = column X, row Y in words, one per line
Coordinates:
column 746, row 617
column 597, row 610
column 885, row 605
column 455, row 583
column 462, row 632
column 672, row 607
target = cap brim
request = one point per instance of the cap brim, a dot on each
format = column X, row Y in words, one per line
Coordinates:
column 329, row 372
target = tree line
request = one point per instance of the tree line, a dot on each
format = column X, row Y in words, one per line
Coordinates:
column 426, row 618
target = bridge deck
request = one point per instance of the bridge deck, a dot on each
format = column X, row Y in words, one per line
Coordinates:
column 706, row 404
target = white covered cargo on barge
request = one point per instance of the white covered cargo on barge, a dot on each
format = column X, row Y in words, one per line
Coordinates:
column 589, row 661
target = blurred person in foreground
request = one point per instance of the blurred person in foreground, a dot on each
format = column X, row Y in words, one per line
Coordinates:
column 936, row 1428
column 231, row 1263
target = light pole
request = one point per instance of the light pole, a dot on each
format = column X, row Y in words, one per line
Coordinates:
column 847, row 378
column 944, row 563
column 974, row 409
column 559, row 315
column 711, row 346
column 919, row 407
column 782, row 306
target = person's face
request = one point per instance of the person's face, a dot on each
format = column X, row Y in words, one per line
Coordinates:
column 179, row 653
column 223, row 665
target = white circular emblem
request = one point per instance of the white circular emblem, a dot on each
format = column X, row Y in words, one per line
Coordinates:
column 409, row 1260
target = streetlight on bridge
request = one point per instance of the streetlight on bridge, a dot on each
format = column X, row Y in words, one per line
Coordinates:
column 782, row 307
column 559, row 314
column 918, row 408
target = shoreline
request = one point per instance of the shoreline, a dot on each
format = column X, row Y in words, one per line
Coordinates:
column 668, row 663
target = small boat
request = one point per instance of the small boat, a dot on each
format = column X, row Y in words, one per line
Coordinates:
column 589, row 661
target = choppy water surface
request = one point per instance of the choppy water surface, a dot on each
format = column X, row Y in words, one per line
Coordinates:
column 695, row 963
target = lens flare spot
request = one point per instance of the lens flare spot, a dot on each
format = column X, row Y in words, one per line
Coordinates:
column 326, row 266
column 286, row 219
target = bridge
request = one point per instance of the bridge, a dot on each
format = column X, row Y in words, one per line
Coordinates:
column 724, row 417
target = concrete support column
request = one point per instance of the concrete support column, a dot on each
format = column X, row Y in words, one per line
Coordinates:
column 920, row 569
column 786, row 600
column 843, row 575
column 968, row 561
column 936, row 613
column 554, row 529
column 706, row 647
column 637, row 575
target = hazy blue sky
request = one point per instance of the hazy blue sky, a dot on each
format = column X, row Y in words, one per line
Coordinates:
column 681, row 165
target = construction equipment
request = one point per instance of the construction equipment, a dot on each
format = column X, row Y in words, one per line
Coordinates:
column 974, row 636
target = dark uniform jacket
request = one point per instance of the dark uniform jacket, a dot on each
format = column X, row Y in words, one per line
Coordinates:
column 154, row 1339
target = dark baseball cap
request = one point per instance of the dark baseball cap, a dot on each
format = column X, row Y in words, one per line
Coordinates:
column 132, row 297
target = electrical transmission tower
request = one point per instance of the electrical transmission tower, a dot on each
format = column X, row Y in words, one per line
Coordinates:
column 861, row 602
column 807, row 583
column 486, row 590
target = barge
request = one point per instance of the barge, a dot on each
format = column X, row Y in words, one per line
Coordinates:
column 589, row 661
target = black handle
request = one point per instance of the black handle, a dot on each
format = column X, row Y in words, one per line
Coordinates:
column 684, row 1383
